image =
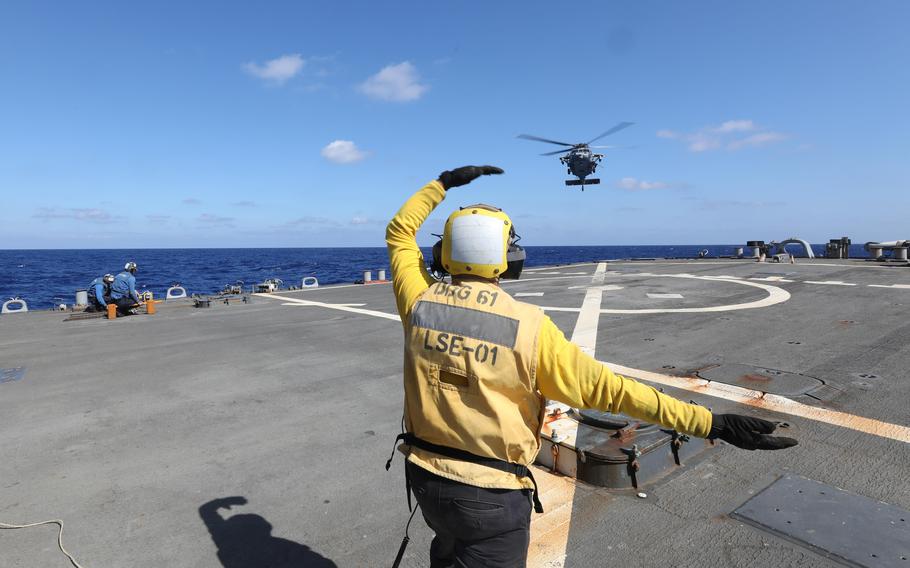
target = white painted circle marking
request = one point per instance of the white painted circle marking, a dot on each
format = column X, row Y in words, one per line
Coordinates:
column 775, row 295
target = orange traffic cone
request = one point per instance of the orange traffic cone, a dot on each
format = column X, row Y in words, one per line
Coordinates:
column 111, row 311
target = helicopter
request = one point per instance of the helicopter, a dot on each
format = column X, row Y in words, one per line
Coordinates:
column 580, row 161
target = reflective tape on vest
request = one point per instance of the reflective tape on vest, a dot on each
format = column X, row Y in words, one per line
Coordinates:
column 483, row 326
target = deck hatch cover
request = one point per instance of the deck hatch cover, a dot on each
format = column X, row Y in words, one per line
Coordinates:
column 762, row 379
column 832, row 521
column 12, row 374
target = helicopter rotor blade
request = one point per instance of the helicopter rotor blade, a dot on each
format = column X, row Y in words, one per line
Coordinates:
column 613, row 130
column 615, row 147
column 563, row 151
column 539, row 139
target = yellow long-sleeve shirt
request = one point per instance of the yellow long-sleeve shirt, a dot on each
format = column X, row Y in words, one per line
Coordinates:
column 564, row 372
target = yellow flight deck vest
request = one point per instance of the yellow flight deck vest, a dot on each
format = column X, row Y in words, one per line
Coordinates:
column 470, row 381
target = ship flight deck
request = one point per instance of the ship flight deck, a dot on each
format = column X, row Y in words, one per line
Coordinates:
column 133, row 431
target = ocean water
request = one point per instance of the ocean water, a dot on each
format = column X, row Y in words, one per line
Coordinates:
column 45, row 278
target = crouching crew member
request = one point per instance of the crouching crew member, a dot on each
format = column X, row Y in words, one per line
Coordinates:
column 123, row 290
column 99, row 293
column 478, row 369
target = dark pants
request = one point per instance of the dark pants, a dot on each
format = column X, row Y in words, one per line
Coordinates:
column 123, row 305
column 95, row 306
column 474, row 526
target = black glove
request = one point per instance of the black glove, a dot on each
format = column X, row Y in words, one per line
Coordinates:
column 465, row 175
column 747, row 432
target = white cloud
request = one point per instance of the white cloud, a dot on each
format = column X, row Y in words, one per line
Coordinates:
column 190, row 201
column 343, row 152
column 396, row 83
column 278, row 70
column 360, row 220
column 209, row 219
column 633, row 184
column 715, row 205
column 729, row 135
column 307, row 222
column 735, row 126
column 701, row 141
column 158, row 219
column 76, row 214
column 760, row 139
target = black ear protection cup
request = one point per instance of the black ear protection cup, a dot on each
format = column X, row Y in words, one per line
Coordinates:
column 515, row 257
column 436, row 265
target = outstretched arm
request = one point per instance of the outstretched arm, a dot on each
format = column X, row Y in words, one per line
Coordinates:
column 99, row 294
column 565, row 373
column 568, row 375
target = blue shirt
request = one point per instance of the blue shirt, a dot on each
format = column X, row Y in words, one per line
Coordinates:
column 124, row 285
column 99, row 288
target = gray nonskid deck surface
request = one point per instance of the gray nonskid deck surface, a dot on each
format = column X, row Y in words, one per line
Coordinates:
column 124, row 429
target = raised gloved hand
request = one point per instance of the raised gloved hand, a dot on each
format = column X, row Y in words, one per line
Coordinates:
column 747, row 432
column 465, row 175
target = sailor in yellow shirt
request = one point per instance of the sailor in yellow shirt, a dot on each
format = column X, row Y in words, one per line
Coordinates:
column 478, row 369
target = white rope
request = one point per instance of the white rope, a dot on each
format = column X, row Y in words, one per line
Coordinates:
column 59, row 536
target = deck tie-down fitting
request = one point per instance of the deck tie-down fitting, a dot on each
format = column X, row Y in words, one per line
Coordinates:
column 676, row 442
column 14, row 305
column 175, row 292
column 632, row 466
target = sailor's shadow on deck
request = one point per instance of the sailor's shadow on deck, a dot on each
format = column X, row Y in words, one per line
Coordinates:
column 245, row 540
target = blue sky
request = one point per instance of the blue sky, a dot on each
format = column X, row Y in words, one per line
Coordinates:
column 176, row 124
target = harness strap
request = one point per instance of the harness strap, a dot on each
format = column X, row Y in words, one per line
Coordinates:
column 463, row 455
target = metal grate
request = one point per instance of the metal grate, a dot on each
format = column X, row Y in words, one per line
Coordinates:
column 832, row 521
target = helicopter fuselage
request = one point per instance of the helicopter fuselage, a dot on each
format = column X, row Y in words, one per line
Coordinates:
column 581, row 162
column 578, row 158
